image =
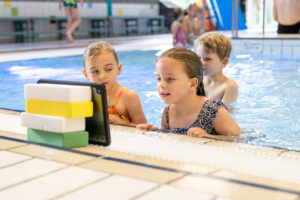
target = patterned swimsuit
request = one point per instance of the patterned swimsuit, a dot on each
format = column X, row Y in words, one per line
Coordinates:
column 204, row 120
column 70, row 3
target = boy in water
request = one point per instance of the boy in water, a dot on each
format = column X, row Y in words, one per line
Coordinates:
column 214, row 51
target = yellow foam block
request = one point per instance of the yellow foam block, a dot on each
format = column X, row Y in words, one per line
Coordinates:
column 60, row 109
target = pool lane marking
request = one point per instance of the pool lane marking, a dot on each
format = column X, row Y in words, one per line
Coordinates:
column 246, row 183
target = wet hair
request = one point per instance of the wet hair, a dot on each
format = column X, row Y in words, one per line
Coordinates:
column 192, row 64
column 97, row 48
column 192, row 6
column 177, row 13
column 216, row 43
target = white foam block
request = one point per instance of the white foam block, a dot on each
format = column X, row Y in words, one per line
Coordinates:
column 58, row 92
column 51, row 123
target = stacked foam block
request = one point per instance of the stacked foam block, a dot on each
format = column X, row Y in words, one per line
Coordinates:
column 55, row 114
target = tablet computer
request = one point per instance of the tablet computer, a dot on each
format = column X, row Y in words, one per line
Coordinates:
column 98, row 124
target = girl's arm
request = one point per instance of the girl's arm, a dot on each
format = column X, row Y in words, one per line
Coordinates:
column 174, row 29
column 150, row 127
column 134, row 107
column 224, row 124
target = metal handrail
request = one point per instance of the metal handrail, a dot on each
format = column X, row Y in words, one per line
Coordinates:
column 264, row 10
column 234, row 18
column 237, row 3
column 203, row 16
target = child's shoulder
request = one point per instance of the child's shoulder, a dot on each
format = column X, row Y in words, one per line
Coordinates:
column 230, row 83
column 129, row 94
column 213, row 105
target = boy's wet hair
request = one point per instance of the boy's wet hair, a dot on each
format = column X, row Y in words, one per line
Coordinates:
column 215, row 43
column 192, row 64
column 192, row 6
column 96, row 48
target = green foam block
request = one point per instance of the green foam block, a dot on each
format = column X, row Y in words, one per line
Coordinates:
column 68, row 140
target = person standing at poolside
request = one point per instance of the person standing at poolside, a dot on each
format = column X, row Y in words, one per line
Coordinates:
column 188, row 24
column 287, row 14
column 177, row 31
column 198, row 21
column 73, row 17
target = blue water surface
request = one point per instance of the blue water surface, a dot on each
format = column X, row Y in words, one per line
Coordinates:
column 269, row 90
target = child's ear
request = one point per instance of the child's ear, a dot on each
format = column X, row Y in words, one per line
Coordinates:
column 85, row 74
column 194, row 84
column 225, row 62
column 119, row 68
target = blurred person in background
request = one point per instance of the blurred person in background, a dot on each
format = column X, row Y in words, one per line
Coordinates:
column 287, row 14
column 73, row 17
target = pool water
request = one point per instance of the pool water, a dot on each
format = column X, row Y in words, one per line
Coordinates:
column 269, row 90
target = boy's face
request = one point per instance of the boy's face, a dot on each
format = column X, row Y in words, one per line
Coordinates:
column 102, row 68
column 173, row 84
column 192, row 11
column 211, row 63
column 199, row 15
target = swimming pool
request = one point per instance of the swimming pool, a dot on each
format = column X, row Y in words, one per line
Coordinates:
column 267, row 108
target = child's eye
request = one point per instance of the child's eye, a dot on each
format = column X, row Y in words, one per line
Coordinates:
column 158, row 79
column 108, row 69
column 170, row 79
column 95, row 71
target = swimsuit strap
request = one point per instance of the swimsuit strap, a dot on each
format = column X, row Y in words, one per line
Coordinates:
column 166, row 111
column 113, row 109
column 117, row 99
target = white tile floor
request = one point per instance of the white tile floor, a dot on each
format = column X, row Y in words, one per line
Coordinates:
column 9, row 158
column 27, row 170
column 171, row 192
column 53, row 185
column 114, row 187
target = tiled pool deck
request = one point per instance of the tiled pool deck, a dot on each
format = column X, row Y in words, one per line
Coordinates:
column 165, row 167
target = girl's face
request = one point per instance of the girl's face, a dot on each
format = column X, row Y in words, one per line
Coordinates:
column 211, row 63
column 102, row 68
column 173, row 84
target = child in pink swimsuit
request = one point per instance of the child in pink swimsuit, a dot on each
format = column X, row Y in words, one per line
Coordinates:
column 179, row 39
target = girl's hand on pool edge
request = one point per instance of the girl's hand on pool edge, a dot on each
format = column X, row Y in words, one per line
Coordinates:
column 197, row 132
column 146, row 127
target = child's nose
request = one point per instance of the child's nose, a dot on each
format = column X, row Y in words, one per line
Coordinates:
column 162, row 84
column 203, row 62
column 101, row 75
